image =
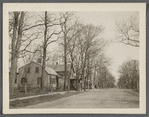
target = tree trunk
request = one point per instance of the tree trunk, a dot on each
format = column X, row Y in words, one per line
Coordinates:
column 13, row 54
column 44, row 52
column 77, row 78
column 137, row 86
column 88, row 71
column 25, row 87
column 65, row 61
column 82, row 76
column 13, row 75
column 85, row 84
column 77, row 87
column 15, row 44
column 69, row 81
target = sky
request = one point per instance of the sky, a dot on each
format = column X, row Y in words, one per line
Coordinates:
column 118, row 52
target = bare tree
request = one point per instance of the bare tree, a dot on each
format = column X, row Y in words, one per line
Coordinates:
column 129, row 75
column 20, row 39
column 51, row 23
column 16, row 27
column 83, row 50
column 128, row 31
column 67, row 30
column 103, row 72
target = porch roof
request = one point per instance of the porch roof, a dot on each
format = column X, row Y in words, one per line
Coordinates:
column 51, row 71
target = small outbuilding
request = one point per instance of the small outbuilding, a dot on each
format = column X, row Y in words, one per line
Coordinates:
column 60, row 70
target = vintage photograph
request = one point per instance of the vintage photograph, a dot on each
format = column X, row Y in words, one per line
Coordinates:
column 71, row 59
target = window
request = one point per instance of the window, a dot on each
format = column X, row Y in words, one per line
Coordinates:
column 38, row 80
column 37, row 70
column 15, row 81
column 52, row 81
column 23, row 80
column 27, row 70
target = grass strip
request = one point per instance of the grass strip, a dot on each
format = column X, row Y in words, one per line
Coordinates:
column 40, row 99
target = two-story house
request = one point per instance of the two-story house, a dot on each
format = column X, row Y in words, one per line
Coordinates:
column 31, row 74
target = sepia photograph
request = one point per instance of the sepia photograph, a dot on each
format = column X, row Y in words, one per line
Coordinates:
column 70, row 58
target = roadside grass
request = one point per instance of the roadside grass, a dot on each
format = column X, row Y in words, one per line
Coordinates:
column 19, row 94
column 131, row 96
column 132, row 92
column 40, row 99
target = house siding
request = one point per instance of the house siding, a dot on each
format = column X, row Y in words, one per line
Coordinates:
column 33, row 76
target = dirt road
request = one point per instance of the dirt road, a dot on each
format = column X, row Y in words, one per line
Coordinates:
column 97, row 98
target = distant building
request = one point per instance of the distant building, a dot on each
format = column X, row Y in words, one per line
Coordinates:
column 31, row 74
column 60, row 69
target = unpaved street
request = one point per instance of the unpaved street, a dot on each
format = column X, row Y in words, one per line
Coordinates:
column 97, row 98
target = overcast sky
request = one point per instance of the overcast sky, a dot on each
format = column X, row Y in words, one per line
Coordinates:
column 116, row 51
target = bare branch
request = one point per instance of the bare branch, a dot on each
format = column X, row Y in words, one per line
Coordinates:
column 129, row 32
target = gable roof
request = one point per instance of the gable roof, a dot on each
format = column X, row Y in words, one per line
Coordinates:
column 47, row 69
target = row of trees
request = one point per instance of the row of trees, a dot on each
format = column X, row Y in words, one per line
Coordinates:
column 82, row 46
column 32, row 34
column 129, row 34
column 104, row 78
column 129, row 75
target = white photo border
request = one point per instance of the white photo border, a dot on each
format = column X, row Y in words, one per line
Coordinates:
column 141, row 7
